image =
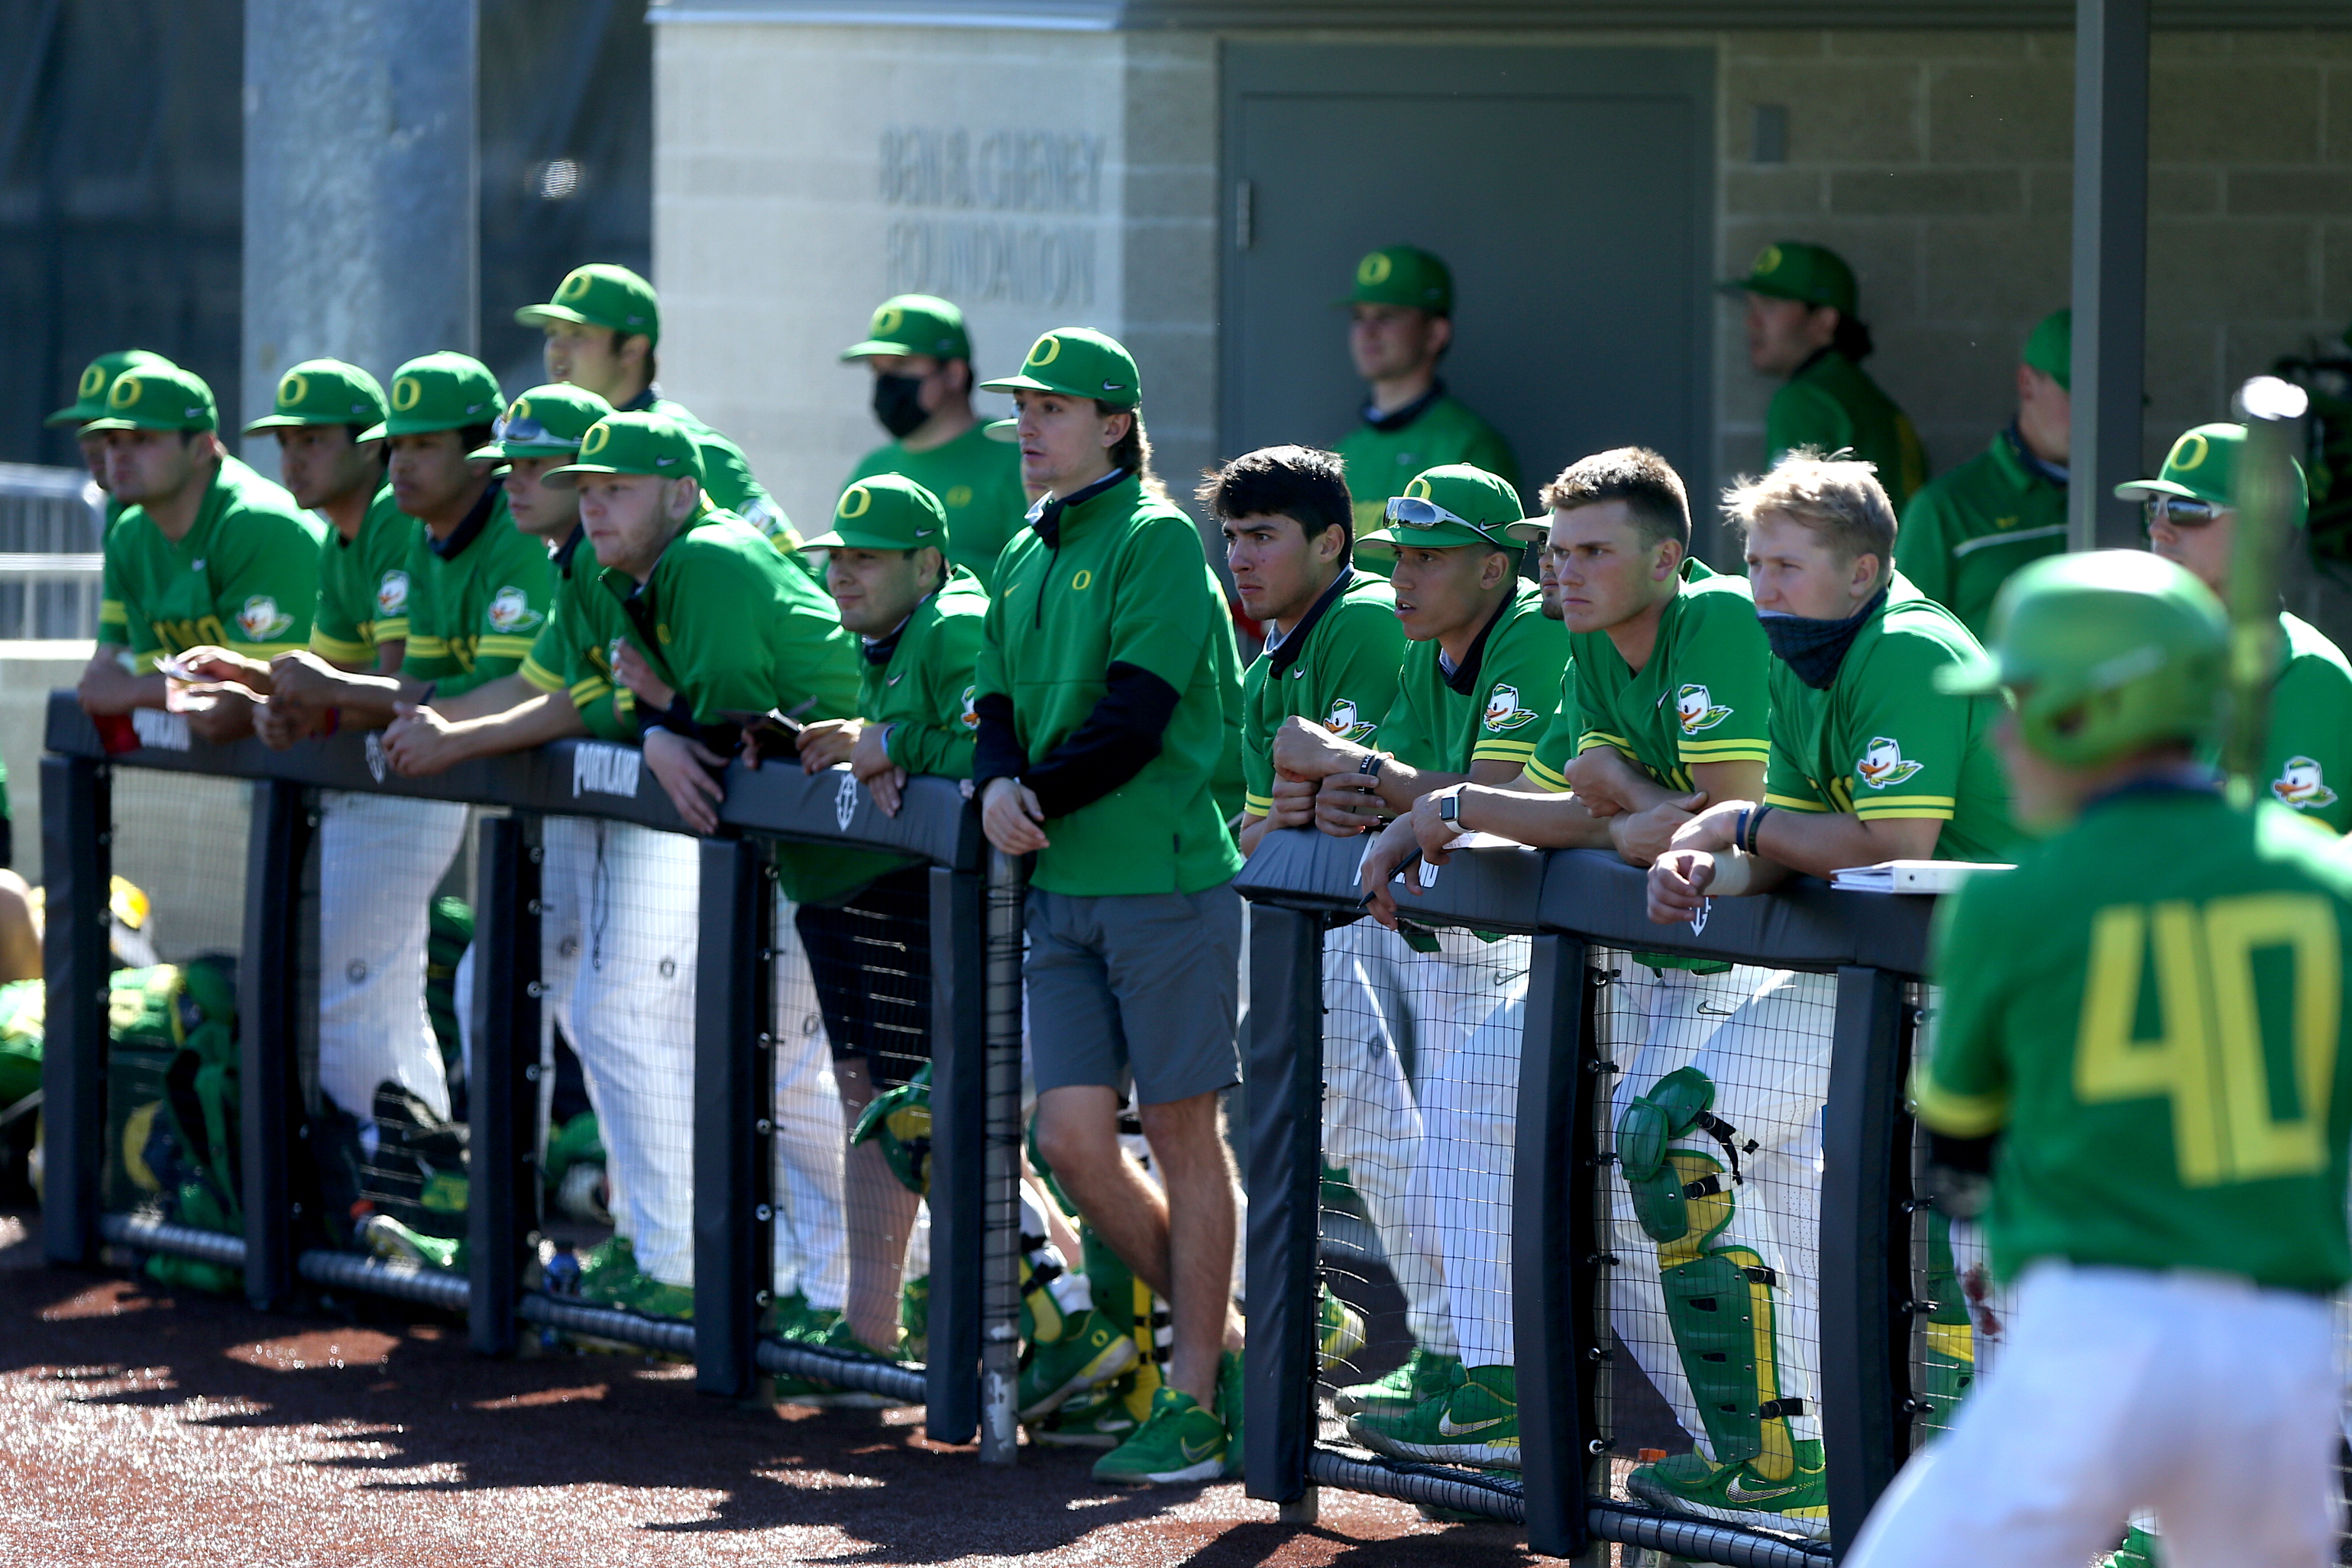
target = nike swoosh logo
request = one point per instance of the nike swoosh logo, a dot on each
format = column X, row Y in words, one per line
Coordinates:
column 1447, row 1426
column 1194, row 1456
column 1716, row 1012
column 1735, row 1492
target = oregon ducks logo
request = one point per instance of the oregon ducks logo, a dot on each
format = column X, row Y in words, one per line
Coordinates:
column 597, row 440
column 856, row 502
column 1768, row 259
column 1374, row 269
column 1048, row 349
column 1084, row 580
column 521, row 411
column 887, row 320
column 958, row 496
column 293, row 389
column 406, row 393
column 2189, row 454
column 574, row 286
column 125, row 394
column 92, row 378
column 1418, row 490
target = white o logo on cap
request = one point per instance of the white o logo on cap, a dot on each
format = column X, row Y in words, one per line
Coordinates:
column 856, row 502
column 406, row 393
column 1048, row 349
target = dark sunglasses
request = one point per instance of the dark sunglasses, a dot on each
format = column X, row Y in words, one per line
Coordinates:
column 2179, row 511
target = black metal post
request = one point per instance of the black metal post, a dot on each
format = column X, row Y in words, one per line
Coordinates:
column 1285, row 1176
column 502, row 1085
column 272, row 1125
column 1553, row 1297
column 2110, row 285
column 1865, row 1252
column 734, row 1115
column 959, row 1153
column 77, row 861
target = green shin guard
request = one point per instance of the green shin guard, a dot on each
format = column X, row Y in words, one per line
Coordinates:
column 1949, row 1368
column 1719, row 1297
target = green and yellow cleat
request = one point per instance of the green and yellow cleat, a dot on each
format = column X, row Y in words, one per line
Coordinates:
column 1338, row 1330
column 1739, row 1494
column 1423, row 1377
column 915, row 1317
column 797, row 1390
column 1098, row 1418
column 1178, row 1442
column 1090, row 1352
column 1476, row 1422
column 390, row 1240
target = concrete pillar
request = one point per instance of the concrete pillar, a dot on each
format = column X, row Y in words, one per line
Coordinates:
column 2110, row 269
column 360, row 185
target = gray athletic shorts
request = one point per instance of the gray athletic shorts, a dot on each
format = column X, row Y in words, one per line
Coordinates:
column 1135, row 987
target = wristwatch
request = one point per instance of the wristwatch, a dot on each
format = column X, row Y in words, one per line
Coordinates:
column 1449, row 810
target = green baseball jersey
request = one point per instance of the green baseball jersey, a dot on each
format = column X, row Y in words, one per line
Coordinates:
column 243, row 577
column 976, row 479
column 567, row 656
column 1338, row 667
column 363, row 585
column 1492, row 706
column 476, row 600
column 726, row 472
column 1382, row 461
column 1830, row 403
column 924, row 689
column 2311, row 727
column 2164, row 1056
column 1968, row 529
column 1703, row 696
column 1124, row 582
column 1882, row 742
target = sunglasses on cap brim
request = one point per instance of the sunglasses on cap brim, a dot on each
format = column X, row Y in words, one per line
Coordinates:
column 1415, row 512
column 2179, row 511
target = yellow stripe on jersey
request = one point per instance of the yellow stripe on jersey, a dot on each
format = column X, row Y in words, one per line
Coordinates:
column 429, row 648
column 1503, row 750
column 111, row 614
column 1555, row 782
column 584, row 692
column 1258, row 805
column 1593, row 737
column 1791, row 803
column 539, row 676
column 501, row 646
column 1957, row 1115
column 1871, row 808
column 391, row 629
column 1725, row 751
column 338, row 650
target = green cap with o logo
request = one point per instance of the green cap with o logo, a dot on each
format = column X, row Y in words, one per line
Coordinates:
column 157, row 397
column 545, row 422
column 1077, row 362
column 1403, row 275
column 651, row 443
column 1792, row 269
column 448, row 390
column 888, row 511
column 914, row 324
column 2203, row 466
column 323, row 392
column 600, row 294
column 1451, row 507
column 2050, row 347
column 97, row 381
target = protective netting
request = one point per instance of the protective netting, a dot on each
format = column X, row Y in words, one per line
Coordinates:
column 382, row 1048
column 619, row 928
column 852, row 1056
column 177, row 908
column 1711, row 1194
column 1421, row 1042
column 1956, row 1333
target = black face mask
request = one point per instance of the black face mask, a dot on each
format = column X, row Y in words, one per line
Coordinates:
column 1815, row 649
column 899, row 404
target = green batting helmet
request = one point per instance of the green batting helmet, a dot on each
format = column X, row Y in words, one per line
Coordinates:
column 2108, row 651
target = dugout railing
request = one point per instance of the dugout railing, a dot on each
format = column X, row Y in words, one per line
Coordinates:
column 974, row 899
column 1582, row 914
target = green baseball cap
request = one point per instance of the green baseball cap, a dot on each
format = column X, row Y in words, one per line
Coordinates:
column 914, row 324
column 1077, row 362
column 545, row 422
column 2050, row 347
column 2203, row 466
column 1005, row 429
column 157, row 397
column 1403, row 275
column 323, row 392
column 888, row 511
column 1792, row 269
column 600, row 295
column 2108, row 651
column 448, row 390
column 651, row 443
column 97, row 381
column 1450, row 508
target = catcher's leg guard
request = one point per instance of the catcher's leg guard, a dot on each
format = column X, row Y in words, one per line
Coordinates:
column 1682, row 1165
column 1950, row 1364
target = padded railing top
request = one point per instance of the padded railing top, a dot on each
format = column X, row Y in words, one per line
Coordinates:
column 1591, row 893
column 567, row 778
